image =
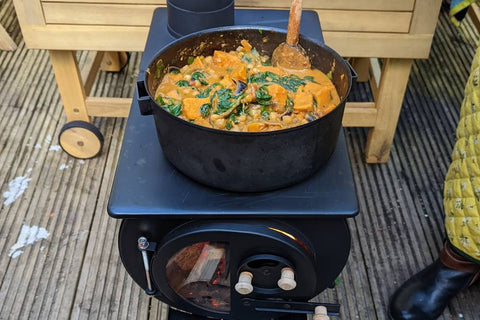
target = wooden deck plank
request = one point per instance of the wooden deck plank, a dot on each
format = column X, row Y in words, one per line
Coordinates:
column 421, row 156
column 105, row 291
column 14, row 118
column 54, row 188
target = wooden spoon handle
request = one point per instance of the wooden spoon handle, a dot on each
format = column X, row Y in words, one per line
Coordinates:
column 294, row 22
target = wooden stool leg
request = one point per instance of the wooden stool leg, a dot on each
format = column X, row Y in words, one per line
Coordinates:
column 70, row 84
column 395, row 73
column 114, row 61
column 6, row 43
column 362, row 68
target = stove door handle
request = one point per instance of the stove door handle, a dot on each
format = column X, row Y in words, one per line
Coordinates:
column 144, row 100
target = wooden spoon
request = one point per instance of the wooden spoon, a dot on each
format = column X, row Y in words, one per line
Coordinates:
column 289, row 54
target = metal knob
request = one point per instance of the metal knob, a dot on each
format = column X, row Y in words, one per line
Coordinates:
column 321, row 313
column 244, row 284
column 287, row 280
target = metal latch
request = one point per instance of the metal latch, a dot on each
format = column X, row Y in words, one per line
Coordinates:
column 144, row 246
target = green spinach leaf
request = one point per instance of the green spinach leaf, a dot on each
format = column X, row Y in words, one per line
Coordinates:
column 182, row 83
column 171, row 105
column 197, row 75
column 205, row 109
column 290, row 82
column 263, row 97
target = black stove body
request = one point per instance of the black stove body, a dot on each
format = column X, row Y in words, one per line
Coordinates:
column 225, row 255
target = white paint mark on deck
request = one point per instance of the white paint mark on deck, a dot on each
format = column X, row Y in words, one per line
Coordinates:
column 15, row 189
column 28, row 236
column 54, row 148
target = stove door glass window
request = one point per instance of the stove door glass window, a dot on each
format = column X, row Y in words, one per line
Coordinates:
column 199, row 274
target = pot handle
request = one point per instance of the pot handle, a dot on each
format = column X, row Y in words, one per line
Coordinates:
column 144, row 101
column 352, row 71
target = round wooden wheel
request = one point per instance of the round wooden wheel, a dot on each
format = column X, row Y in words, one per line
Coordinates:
column 81, row 139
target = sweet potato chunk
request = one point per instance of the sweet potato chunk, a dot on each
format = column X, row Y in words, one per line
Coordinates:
column 256, row 126
column 171, row 78
column 191, row 107
column 198, row 63
column 174, row 94
column 239, row 72
column 303, row 100
column 227, row 82
column 247, row 47
column 320, row 92
column 279, row 97
column 203, row 122
column 225, row 59
column 325, row 95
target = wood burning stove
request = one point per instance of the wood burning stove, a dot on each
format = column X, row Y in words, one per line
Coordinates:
column 223, row 255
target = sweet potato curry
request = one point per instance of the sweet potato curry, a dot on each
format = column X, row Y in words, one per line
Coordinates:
column 241, row 91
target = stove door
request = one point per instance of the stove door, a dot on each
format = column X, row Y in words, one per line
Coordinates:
column 199, row 275
column 199, row 264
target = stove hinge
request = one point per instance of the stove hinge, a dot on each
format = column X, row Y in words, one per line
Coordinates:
column 144, row 246
column 282, row 306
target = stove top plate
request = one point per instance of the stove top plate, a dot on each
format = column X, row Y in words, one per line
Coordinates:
column 146, row 184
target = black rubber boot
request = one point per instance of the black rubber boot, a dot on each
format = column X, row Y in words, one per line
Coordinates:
column 425, row 295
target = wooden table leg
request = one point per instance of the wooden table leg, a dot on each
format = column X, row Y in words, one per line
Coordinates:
column 393, row 82
column 70, row 85
column 78, row 137
column 6, row 43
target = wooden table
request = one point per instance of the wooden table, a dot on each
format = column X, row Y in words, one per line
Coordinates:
column 397, row 31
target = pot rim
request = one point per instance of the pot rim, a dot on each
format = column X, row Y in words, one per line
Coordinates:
column 259, row 28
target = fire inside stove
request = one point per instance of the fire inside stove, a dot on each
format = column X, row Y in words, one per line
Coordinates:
column 199, row 274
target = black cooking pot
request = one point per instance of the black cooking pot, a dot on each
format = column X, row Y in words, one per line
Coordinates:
column 244, row 161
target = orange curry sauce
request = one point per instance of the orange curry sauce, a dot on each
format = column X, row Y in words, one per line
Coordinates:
column 240, row 91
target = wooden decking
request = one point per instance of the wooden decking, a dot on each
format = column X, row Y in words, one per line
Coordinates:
column 75, row 272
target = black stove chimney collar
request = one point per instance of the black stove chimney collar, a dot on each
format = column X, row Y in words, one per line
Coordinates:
column 187, row 16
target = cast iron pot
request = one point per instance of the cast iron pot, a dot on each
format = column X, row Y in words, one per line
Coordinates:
column 244, row 161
